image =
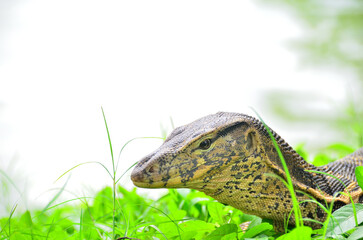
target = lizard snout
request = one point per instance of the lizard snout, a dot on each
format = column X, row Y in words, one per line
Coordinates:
column 136, row 176
column 146, row 173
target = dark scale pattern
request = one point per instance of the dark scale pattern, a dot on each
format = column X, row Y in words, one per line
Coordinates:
column 234, row 165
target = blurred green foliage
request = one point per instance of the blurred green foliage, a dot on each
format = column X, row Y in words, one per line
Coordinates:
column 334, row 33
column 332, row 39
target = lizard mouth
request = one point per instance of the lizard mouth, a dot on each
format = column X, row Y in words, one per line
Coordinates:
column 152, row 177
column 141, row 180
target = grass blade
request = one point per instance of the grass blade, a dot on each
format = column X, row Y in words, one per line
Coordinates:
column 129, row 141
column 109, row 141
column 113, row 177
column 9, row 220
column 55, row 197
column 83, row 164
column 133, row 165
column 350, row 197
column 297, row 212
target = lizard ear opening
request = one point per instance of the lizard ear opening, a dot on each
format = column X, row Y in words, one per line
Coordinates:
column 251, row 141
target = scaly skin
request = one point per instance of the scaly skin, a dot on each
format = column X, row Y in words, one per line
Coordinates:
column 231, row 158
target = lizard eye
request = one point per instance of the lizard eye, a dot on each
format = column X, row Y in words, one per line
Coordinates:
column 205, row 144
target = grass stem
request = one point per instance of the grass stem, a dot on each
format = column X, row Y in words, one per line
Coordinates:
column 297, row 212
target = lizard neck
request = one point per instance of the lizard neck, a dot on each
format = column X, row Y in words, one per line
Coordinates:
column 296, row 164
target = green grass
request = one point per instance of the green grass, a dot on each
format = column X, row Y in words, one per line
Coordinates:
column 118, row 213
column 176, row 215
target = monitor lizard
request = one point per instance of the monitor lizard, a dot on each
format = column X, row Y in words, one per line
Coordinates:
column 231, row 157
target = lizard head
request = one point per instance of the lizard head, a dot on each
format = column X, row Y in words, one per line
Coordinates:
column 201, row 155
